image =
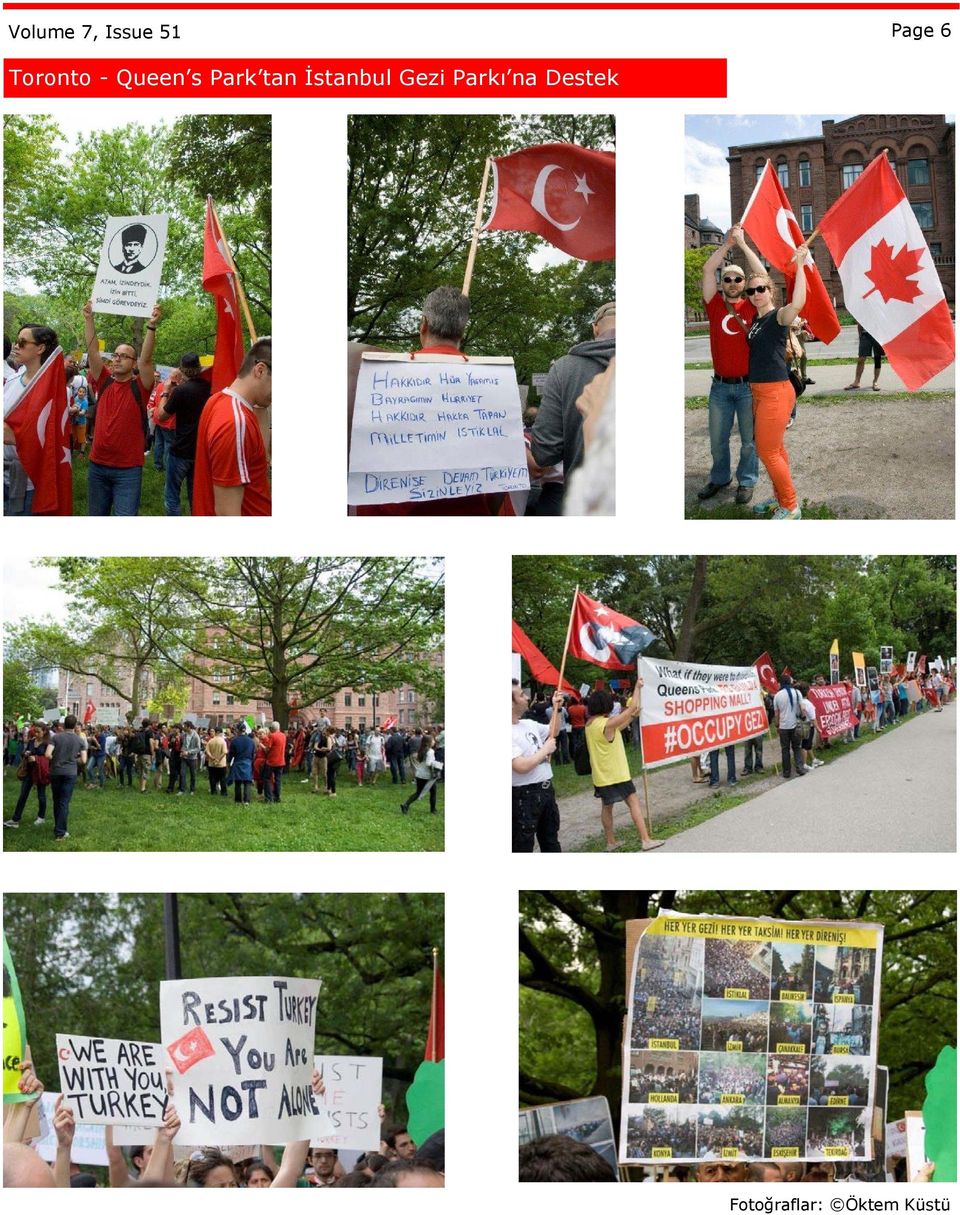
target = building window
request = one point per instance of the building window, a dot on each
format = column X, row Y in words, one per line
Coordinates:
column 936, row 249
column 806, row 219
column 758, row 172
column 918, row 172
column 362, row 723
column 215, row 698
column 348, row 722
column 230, row 699
column 850, row 174
column 411, row 698
column 361, row 701
column 347, row 700
column 924, row 213
column 399, row 717
column 89, row 689
column 783, row 172
column 803, row 168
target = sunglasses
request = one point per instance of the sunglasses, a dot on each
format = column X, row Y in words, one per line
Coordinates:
column 733, row 280
column 755, row 290
column 25, row 342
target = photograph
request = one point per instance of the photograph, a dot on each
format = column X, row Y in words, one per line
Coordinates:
column 841, row 1029
column 197, row 704
column 735, row 1025
column 810, row 395
column 152, row 328
column 844, row 974
column 481, row 314
column 791, row 969
column 676, row 1107
column 224, row 1040
column 681, row 701
column 736, row 970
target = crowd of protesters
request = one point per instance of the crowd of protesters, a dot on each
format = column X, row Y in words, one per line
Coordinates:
column 399, row 1162
column 173, row 758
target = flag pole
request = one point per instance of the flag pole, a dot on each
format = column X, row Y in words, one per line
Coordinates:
column 236, row 274
column 433, row 1007
column 566, row 644
column 471, row 256
column 643, row 773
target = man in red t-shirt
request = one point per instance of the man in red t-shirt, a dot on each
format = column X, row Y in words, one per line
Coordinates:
column 442, row 326
column 230, row 476
column 115, row 473
column 274, row 763
column 728, row 312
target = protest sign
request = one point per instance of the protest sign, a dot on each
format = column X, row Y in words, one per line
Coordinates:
column 89, row 1140
column 886, row 659
column 110, row 1081
column 873, row 679
column 913, row 691
column 584, row 691
column 686, row 708
column 52, row 715
column 131, row 262
column 434, row 429
column 353, row 1087
column 587, row 1121
column 515, row 666
column 911, row 661
column 859, row 669
column 834, row 710
column 242, row 1056
column 750, row 1039
column 14, row 1030
column 835, row 661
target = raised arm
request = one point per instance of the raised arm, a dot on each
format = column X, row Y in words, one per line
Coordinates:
column 65, row 1127
column 15, row 1126
column 754, row 264
column 159, row 1167
column 118, row 1174
column 629, row 713
column 145, row 362
column 789, row 312
column 712, row 265
column 94, row 360
column 295, row 1154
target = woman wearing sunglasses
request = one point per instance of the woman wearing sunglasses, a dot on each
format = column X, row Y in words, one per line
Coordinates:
column 32, row 346
column 773, row 394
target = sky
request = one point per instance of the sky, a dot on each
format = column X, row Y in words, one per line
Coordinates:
column 708, row 136
column 29, row 591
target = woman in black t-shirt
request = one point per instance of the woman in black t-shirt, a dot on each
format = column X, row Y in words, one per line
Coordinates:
column 773, row 395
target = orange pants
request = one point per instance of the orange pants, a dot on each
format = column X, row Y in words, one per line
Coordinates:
column 772, row 405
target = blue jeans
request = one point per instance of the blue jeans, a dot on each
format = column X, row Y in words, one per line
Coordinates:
column 729, row 401
column 161, row 445
column 118, row 488
column 271, row 782
column 95, row 765
column 62, row 792
column 178, row 471
column 731, row 766
column 753, row 754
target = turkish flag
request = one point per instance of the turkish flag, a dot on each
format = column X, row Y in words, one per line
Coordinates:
column 766, row 674
column 565, row 193
column 772, row 226
column 90, row 712
column 605, row 637
column 220, row 281
column 890, row 283
column 40, row 422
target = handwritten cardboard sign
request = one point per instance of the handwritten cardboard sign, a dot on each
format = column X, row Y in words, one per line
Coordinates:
column 352, row 1094
column 112, row 1081
column 241, row 1050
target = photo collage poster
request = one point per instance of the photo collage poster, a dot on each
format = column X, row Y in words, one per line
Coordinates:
column 751, row 1039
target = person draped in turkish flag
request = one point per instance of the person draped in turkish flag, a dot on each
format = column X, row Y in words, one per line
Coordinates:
column 37, row 472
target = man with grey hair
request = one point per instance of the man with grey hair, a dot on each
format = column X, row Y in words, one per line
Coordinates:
column 443, row 323
column 557, row 434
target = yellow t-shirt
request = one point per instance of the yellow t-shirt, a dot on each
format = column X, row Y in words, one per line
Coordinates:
column 607, row 759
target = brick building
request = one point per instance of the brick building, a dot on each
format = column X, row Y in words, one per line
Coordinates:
column 816, row 169
column 73, row 692
column 697, row 229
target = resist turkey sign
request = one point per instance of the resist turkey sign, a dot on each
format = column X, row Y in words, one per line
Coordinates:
column 835, row 713
column 241, row 1050
column 687, row 708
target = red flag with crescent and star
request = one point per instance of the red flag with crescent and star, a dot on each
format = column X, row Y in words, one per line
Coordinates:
column 766, row 674
column 220, row 281
column 564, row 193
column 40, row 422
column 890, row 282
column 604, row 637
column 770, row 223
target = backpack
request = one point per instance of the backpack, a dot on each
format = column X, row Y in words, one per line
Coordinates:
column 139, row 745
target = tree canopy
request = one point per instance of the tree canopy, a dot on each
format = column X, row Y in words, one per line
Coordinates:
column 412, row 195
column 730, row 609
column 91, row 963
column 573, row 967
column 58, row 196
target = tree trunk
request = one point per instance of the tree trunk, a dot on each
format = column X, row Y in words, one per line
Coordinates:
column 697, row 587
column 135, row 698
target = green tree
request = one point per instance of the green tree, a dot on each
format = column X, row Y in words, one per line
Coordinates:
column 693, row 262
column 21, row 696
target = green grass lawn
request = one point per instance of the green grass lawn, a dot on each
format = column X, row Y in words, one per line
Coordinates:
column 151, row 498
column 364, row 819
column 730, row 510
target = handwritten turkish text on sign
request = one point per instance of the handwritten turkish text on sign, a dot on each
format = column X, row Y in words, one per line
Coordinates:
column 131, row 263
column 242, row 1056
column 834, row 709
column 433, row 429
column 750, row 1039
column 111, row 1081
column 687, row 708
column 352, row 1094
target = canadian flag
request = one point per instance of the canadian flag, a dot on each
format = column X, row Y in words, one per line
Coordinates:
column 219, row 280
column 604, row 637
column 772, row 226
column 766, row 674
column 40, row 423
column 565, row 193
column 890, row 283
